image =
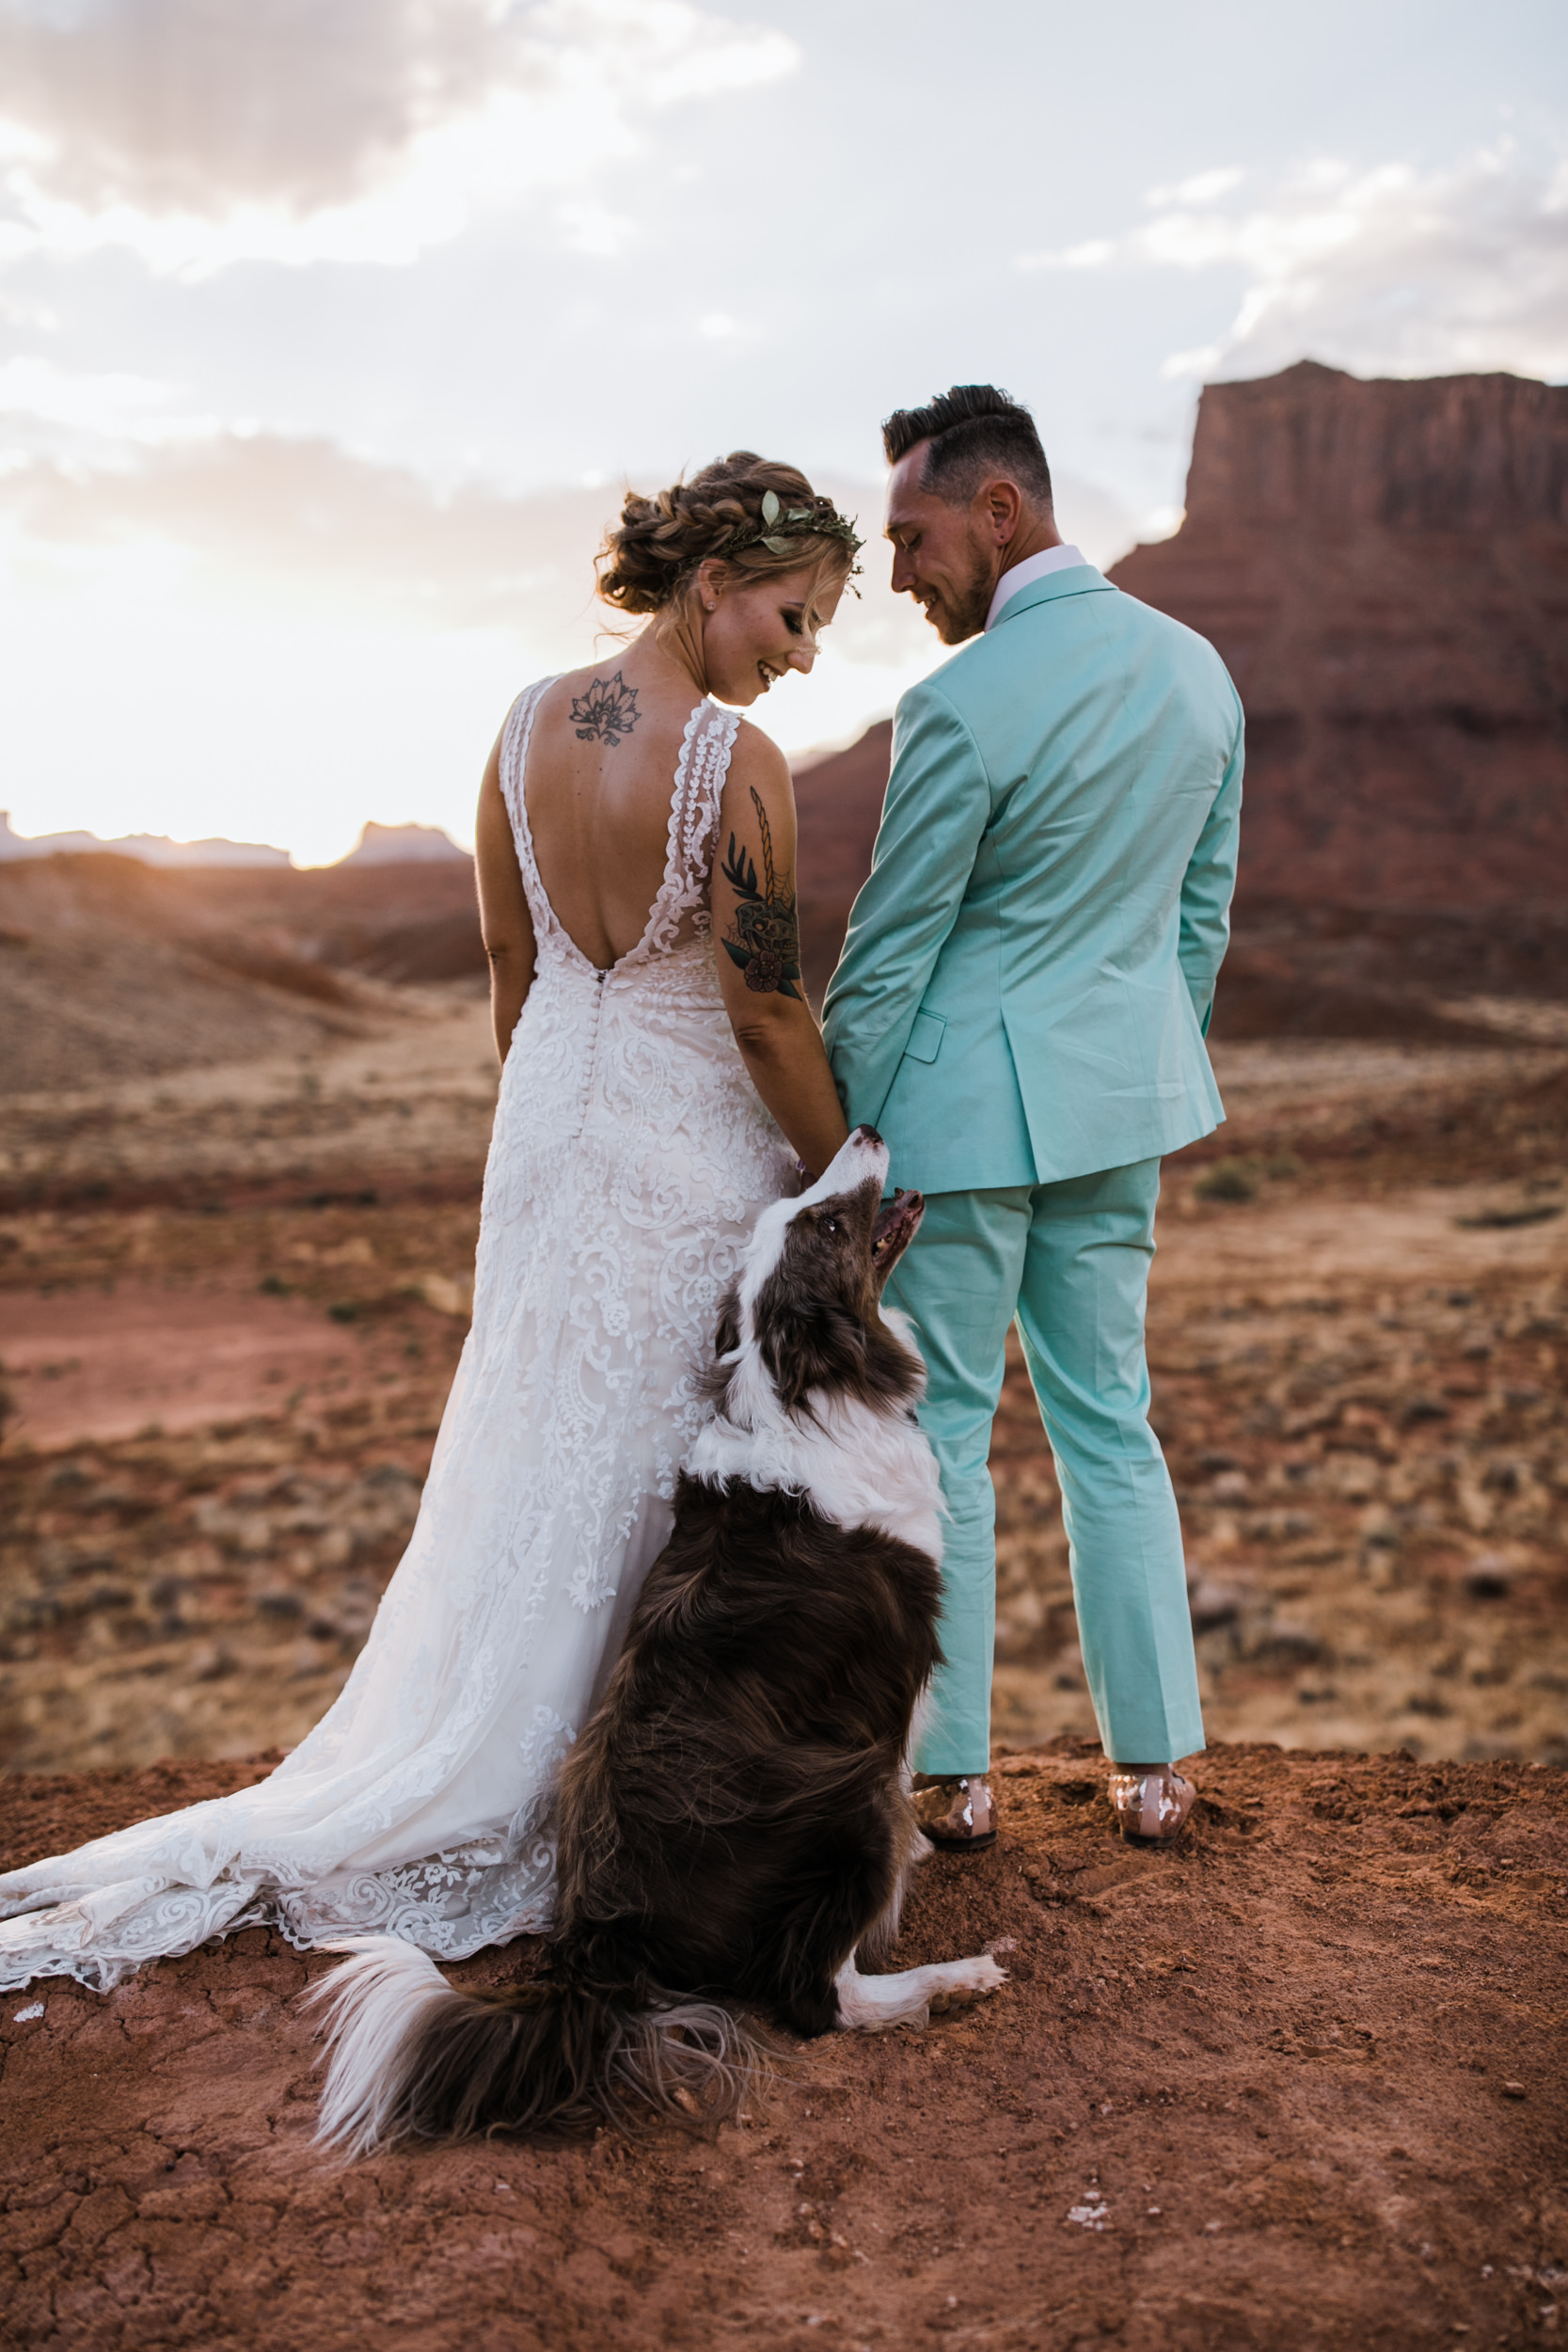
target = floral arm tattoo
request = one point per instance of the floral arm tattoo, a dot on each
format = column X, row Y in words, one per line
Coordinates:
column 608, row 709
column 763, row 938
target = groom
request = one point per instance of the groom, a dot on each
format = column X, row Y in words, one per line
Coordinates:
column 1020, row 1008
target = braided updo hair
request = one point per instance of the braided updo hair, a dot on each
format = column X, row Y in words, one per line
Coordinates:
column 648, row 560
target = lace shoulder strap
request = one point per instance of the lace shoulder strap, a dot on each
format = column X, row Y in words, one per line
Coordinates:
column 515, row 735
column 700, row 774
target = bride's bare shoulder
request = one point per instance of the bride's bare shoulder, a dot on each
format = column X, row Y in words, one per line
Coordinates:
column 755, row 758
column 758, row 798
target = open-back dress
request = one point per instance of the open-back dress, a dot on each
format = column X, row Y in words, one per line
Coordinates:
column 629, row 1158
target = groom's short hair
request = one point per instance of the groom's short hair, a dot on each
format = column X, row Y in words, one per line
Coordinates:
column 973, row 430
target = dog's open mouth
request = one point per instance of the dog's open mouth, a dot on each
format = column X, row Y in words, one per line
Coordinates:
column 895, row 1224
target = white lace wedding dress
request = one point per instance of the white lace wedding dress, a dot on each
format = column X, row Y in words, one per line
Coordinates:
column 629, row 1158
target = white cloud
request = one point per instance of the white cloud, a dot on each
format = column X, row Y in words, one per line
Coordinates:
column 200, row 132
column 1204, row 187
column 107, row 406
column 301, row 525
column 593, row 228
column 1386, row 271
column 391, row 623
column 350, row 635
column 1094, row 253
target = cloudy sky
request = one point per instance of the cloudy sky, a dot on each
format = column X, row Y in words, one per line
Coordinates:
column 330, row 328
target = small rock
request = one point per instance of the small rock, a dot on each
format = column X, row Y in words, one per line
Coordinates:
column 1514, row 2091
column 1213, row 1604
column 1419, row 1408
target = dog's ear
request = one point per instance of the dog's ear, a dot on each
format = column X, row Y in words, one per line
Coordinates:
column 727, row 1337
column 716, row 1378
column 811, row 1343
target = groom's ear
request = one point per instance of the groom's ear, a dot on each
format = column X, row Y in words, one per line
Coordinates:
column 999, row 505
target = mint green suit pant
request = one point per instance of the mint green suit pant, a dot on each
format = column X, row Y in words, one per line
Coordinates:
column 1071, row 1260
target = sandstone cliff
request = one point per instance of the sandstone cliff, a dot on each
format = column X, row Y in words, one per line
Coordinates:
column 840, row 803
column 1384, row 567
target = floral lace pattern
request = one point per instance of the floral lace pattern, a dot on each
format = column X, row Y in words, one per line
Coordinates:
column 629, row 1158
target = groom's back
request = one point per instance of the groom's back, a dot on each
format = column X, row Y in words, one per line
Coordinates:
column 1026, row 973
column 1105, row 729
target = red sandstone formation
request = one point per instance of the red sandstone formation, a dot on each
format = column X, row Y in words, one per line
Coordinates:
column 840, row 803
column 1384, row 567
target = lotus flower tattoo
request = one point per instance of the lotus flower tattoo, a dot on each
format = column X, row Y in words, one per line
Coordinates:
column 608, row 709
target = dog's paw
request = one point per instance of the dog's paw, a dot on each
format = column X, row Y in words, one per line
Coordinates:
column 965, row 1981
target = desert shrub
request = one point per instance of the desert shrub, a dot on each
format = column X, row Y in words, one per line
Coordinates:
column 1227, row 1179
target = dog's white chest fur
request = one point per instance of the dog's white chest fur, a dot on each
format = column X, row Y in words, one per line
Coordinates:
column 857, row 1466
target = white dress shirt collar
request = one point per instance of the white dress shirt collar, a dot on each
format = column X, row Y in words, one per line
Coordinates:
column 1033, row 567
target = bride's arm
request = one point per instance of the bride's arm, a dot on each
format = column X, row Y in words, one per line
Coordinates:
column 503, row 915
column 757, row 942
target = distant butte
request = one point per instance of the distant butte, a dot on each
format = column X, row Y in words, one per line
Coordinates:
column 1384, row 567
column 403, row 845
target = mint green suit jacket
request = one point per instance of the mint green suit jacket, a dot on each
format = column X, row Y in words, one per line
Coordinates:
column 1029, row 970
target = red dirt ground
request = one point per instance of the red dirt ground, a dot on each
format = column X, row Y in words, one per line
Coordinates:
column 105, row 1367
column 1298, row 2082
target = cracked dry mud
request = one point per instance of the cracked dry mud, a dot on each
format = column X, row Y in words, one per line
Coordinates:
column 1297, row 2082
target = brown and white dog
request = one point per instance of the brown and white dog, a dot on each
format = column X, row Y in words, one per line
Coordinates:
column 733, row 1825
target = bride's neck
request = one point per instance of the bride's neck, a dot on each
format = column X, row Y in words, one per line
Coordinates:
column 677, row 640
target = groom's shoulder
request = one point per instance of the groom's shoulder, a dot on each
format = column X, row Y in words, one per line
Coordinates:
column 930, row 699
column 951, row 684
column 960, row 688
column 1106, row 626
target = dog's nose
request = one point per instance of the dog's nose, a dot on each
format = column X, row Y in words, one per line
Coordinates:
column 869, row 1136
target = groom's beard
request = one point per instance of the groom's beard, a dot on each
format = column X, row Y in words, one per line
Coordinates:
column 962, row 614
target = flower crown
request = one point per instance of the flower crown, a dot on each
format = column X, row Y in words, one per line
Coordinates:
column 779, row 525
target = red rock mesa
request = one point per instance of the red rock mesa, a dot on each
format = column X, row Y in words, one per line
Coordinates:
column 1384, row 567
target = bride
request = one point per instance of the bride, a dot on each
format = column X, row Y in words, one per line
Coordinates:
column 662, row 1076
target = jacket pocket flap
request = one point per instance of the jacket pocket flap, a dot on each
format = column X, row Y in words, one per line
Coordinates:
column 926, row 1037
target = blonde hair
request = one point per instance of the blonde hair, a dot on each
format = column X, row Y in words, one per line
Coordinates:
column 650, row 558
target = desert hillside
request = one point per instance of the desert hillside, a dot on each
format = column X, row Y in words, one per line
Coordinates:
column 111, row 969
column 232, row 1298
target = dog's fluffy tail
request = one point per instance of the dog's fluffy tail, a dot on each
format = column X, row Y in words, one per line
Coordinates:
column 414, row 2056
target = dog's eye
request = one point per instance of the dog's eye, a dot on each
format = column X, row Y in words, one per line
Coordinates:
column 830, row 1224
